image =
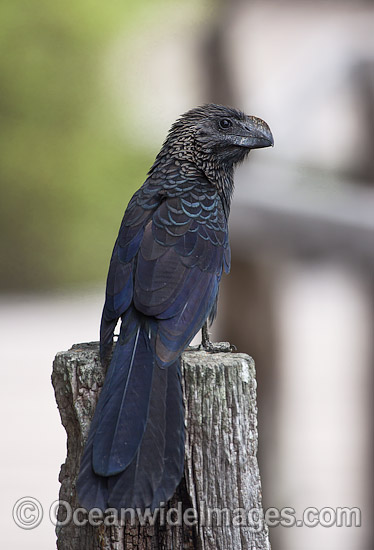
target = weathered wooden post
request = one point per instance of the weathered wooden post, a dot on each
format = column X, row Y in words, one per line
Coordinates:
column 218, row 503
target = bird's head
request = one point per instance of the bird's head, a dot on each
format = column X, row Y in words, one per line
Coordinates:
column 220, row 133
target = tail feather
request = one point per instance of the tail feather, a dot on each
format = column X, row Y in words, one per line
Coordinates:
column 174, row 437
column 138, row 483
column 134, row 453
column 124, row 413
column 92, row 489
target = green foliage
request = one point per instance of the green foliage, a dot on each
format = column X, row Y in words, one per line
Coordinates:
column 66, row 174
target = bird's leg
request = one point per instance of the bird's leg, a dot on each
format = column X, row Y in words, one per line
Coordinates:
column 207, row 345
column 205, row 340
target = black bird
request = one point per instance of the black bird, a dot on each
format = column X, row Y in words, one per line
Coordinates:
column 163, row 280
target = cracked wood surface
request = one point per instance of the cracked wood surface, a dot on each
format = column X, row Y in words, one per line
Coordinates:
column 221, row 481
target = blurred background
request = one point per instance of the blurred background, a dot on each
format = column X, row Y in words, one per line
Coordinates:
column 88, row 92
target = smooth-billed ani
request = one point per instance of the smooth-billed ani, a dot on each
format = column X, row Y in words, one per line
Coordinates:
column 163, row 279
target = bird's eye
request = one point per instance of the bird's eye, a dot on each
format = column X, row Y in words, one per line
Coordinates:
column 225, row 123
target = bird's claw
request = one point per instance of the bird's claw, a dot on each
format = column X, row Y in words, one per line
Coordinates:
column 214, row 347
column 217, row 347
column 210, row 347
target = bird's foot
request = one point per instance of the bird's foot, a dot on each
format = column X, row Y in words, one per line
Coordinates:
column 211, row 347
column 217, row 347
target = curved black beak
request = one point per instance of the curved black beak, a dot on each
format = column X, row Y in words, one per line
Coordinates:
column 255, row 134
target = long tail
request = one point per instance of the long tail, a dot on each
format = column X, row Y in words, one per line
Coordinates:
column 134, row 455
